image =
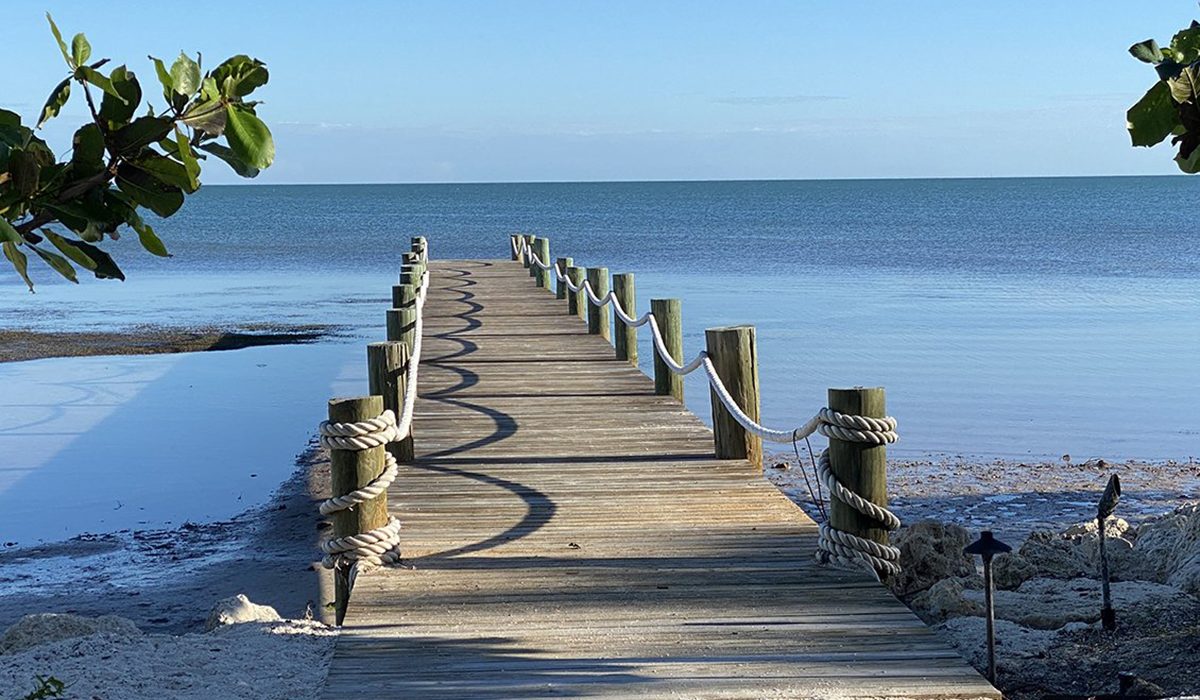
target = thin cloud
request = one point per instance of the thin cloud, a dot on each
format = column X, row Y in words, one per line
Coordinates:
column 776, row 100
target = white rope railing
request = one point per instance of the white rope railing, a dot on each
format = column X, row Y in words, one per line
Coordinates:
column 380, row 546
column 836, row 546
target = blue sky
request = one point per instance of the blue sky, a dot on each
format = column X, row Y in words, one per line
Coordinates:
column 545, row 91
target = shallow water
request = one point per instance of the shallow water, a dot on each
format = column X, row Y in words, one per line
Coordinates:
column 1007, row 318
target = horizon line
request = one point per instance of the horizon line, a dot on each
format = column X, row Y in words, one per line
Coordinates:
column 430, row 183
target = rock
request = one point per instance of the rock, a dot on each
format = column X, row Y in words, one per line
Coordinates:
column 1010, row 570
column 1013, row 643
column 1169, row 548
column 1051, row 604
column 1134, row 687
column 1075, row 552
column 944, row 600
column 239, row 609
column 929, row 552
column 42, row 628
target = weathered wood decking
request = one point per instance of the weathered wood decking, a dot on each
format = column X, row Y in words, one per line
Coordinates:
column 571, row 535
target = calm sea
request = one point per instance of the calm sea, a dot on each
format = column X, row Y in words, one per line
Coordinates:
column 1021, row 318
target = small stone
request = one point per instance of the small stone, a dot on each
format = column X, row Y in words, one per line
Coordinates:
column 239, row 609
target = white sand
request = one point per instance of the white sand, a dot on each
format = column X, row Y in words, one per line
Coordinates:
column 284, row 660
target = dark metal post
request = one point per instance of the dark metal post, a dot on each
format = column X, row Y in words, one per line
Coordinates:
column 987, row 547
column 1108, row 503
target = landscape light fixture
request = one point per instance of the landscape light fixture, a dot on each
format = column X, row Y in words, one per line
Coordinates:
column 987, row 547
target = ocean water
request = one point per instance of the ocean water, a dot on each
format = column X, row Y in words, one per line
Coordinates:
column 1017, row 318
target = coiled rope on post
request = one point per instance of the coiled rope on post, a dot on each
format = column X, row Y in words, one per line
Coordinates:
column 835, row 546
column 381, row 546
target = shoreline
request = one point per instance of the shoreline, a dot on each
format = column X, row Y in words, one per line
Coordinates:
column 166, row 580
column 19, row 345
column 1010, row 497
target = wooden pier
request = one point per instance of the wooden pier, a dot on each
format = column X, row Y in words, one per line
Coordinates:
column 568, row 532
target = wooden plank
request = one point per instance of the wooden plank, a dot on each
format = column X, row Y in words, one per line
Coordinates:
column 569, row 532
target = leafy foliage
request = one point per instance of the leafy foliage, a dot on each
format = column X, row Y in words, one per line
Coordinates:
column 121, row 162
column 47, row 687
column 1171, row 107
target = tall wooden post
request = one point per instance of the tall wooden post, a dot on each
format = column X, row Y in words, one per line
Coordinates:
column 421, row 247
column 861, row 467
column 402, row 320
column 597, row 316
column 669, row 317
column 514, row 246
column 387, row 365
column 350, row 470
column 411, row 262
column 577, row 302
column 625, row 338
column 560, row 288
column 411, row 274
column 404, row 295
column 542, row 247
column 735, row 356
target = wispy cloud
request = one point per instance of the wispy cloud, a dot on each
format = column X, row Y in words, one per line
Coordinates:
column 775, row 100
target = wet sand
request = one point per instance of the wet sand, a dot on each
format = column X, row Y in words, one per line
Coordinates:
column 17, row 345
column 167, row 580
column 1011, row 497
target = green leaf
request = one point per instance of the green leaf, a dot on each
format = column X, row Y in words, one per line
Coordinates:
column 1186, row 86
column 164, row 77
column 62, row 45
column 164, row 169
column 141, row 132
column 1186, row 44
column 207, row 116
column 58, row 98
column 147, row 190
column 149, row 239
column 119, row 110
column 24, row 171
column 81, row 50
column 188, row 157
column 98, row 79
column 19, row 262
column 1153, row 117
column 249, row 137
column 185, row 75
column 57, row 262
column 9, row 119
column 9, row 234
column 230, row 158
column 105, row 267
column 239, row 76
column 1146, row 51
column 87, row 156
column 73, row 252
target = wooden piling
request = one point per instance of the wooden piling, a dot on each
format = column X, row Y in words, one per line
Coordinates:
column 350, row 470
column 734, row 355
column 577, row 302
column 402, row 320
column 387, row 364
column 625, row 337
column 668, row 315
column 411, row 275
column 560, row 287
column 597, row 316
column 542, row 248
column 861, row 467
column 404, row 295
column 526, row 259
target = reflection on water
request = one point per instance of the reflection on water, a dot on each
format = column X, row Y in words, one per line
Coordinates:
column 100, row 444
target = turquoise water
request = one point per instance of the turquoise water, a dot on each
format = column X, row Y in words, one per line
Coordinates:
column 1022, row 318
